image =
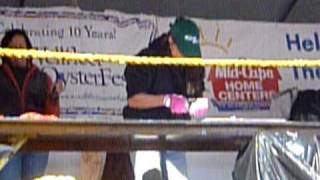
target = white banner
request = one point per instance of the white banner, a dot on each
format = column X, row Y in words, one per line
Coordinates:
column 91, row 88
column 98, row 89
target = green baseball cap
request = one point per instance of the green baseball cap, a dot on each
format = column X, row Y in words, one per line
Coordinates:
column 185, row 34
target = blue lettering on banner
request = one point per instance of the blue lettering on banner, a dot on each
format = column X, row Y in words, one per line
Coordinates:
column 102, row 111
column 306, row 73
column 102, row 77
column 297, row 43
column 225, row 107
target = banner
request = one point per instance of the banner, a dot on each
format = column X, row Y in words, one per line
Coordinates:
column 98, row 89
column 90, row 89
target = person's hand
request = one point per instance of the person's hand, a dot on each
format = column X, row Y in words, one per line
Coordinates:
column 58, row 87
column 37, row 116
column 199, row 108
column 178, row 104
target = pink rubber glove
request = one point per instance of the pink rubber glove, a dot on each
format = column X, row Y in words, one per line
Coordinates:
column 199, row 108
column 178, row 104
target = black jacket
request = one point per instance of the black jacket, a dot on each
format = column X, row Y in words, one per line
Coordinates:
column 32, row 96
column 159, row 80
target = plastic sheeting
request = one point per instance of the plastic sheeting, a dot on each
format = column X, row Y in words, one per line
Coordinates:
column 279, row 155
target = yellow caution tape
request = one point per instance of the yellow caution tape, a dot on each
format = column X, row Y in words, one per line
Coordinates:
column 124, row 59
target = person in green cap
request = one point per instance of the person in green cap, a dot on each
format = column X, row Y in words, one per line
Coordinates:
column 162, row 92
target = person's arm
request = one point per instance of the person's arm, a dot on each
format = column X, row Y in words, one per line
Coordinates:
column 139, row 82
column 146, row 101
column 52, row 104
column 177, row 104
column 52, row 108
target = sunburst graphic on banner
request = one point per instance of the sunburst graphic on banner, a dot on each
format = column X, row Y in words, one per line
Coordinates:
column 216, row 41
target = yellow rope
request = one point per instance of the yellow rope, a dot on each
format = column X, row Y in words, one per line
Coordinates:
column 123, row 59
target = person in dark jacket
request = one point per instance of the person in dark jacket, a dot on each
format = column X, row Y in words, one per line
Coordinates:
column 162, row 92
column 148, row 87
column 24, row 88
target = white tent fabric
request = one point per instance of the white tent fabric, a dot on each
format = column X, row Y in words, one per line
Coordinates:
column 256, row 10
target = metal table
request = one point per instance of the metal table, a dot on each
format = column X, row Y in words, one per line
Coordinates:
column 211, row 134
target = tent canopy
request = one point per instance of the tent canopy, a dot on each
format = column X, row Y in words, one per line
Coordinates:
column 301, row 11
